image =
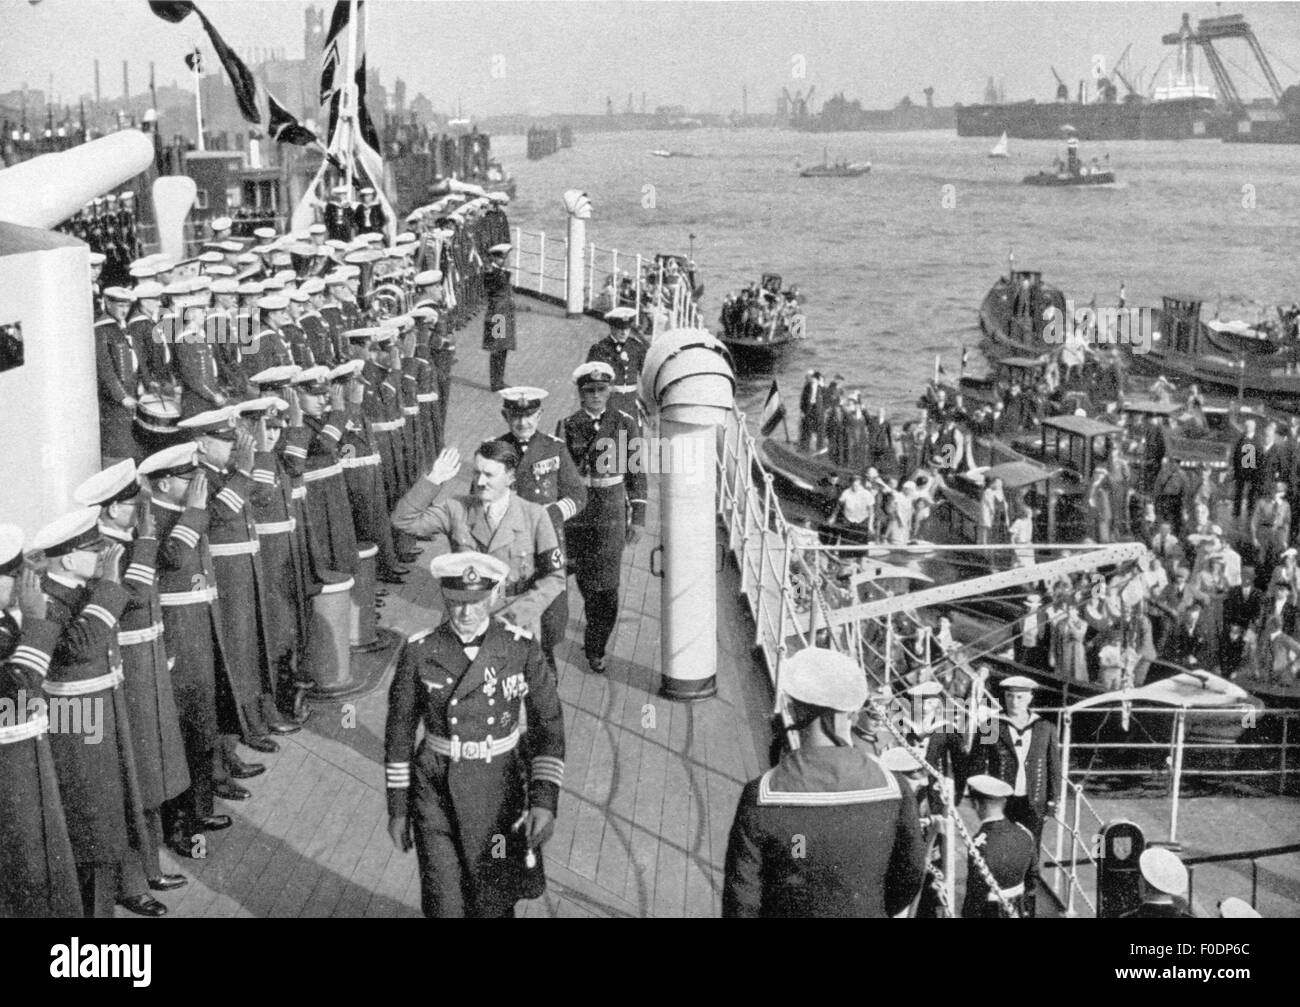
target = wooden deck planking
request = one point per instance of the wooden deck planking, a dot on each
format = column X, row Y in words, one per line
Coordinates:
column 645, row 809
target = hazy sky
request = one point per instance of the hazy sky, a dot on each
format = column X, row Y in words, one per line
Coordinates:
column 568, row 56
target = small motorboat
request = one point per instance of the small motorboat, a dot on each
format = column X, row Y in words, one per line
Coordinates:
column 840, row 169
column 1073, row 172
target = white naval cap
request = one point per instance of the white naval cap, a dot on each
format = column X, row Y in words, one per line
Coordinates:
column 428, row 277
column 621, row 317
column 11, row 549
column 98, row 258
column 521, row 400
column 175, row 460
column 266, row 233
column 347, row 370
column 900, row 760
column 71, row 532
column 825, row 678
column 317, row 229
column 222, row 224
column 275, row 377
column 593, row 372
column 989, row 786
column 468, row 576
column 117, row 482
column 225, row 285
column 274, row 302
column 265, row 404
column 924, row 689
column 1233, row 908
column 500, row 249
column 312, row 380
column 212, row 423
column 148, row 290
column 312, row 285
column 1018, row 683
column 1163, row 871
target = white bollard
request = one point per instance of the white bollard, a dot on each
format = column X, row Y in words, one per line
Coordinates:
column 578, row 206
column 687, row 381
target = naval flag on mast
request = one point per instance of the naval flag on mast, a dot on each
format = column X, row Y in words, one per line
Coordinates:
column 773, row 412
column 353, row 140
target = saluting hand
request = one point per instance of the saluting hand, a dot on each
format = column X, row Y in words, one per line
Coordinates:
column 144, row 522
column 400, row 833
column 356, row 392
column 31, row 599
column 112, row 560
column 197, row 494
column 243, row 453
column 261, row 439
column 295, row 409
column 337, row 402
column 445, row 467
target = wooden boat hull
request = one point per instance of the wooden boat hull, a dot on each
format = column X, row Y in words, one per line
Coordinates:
column 757, row 355
column 814, row 478
column 1011, row 324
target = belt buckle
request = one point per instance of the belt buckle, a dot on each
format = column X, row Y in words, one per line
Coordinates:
column 469, row 750
column 455, row 749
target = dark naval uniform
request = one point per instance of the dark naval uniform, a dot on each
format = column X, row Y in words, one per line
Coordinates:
column 467, row 785
column 861, row 853
column 597, row 535
column 39, row 877
column 153, row 349
column 547, row 475
column 98, row 782
column 200, row 377
column 311, row 452
column 119, row 378
column 318, row 346
column 1009, row 850
column 626, row 360
column 242, row 608
column 187, row 589
column 498, row 323
column 151, row 705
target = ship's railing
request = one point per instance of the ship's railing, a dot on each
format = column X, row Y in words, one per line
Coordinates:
column 610, row 278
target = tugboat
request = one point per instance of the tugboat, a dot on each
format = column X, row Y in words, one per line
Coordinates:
column 1073, row 172
column 840, row 169
column 760, row 324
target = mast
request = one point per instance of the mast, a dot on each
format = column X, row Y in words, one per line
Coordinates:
column 348, row 102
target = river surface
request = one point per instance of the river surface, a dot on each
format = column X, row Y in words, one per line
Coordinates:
column 892, row 266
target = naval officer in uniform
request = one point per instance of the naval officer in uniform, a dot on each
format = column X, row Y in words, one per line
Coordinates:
column 625, row 353
column 828, row 831
column 1006, row 847
column 600, row 439
column 547, row 476
column 499, row 318
column 1163, row 887
column 476, row 809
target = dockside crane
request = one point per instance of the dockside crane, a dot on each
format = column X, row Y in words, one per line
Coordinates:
column 1062, row 88
column 1214, row 29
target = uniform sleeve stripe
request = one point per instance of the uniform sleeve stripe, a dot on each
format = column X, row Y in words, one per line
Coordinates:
column 264, row 476
column 187, row 535
column 100, row 613
column 231, row 499
column 549, row 769
column 139, row 576
column 637, row 500
column 296, row 452
column 331, row 430
column 567, row 508
column 29, row 657
column 140, row 568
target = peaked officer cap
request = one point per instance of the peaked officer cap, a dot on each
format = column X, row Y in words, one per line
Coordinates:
column 1019, row 682
column 313, row 380
column 989, row 786
column 219, row 423
column 177, row 460
column 71, row 532
column 468, row 576
column 428, row 278
column 522, row 400
column 275, row 377
column 117, row 482
column 900, row 760
column 11, row 549
column 594, row 372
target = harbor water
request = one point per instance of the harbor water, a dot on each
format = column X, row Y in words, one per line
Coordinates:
column 892, row 266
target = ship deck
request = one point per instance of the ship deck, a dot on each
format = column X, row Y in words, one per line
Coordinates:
column 650, row 785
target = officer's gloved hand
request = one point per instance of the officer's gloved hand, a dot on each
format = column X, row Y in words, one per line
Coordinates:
column 400, row 833
column 541, row 823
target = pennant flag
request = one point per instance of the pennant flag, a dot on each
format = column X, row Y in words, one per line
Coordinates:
column 194, row 60
column 368, row 131
column 241, row 78
column 773, row 411
column 284, row 127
